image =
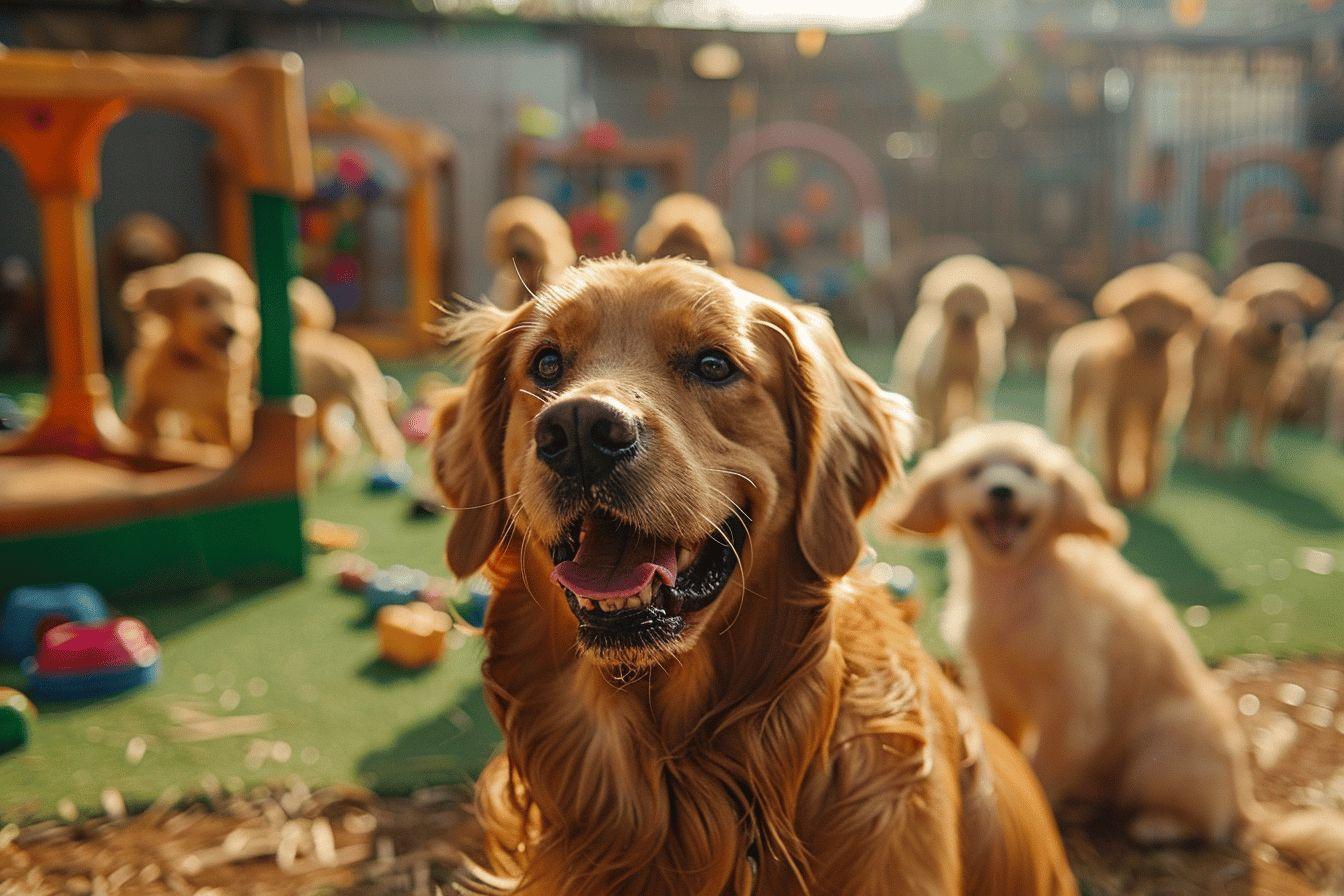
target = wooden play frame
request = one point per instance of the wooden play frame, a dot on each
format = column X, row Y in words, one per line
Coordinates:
column 426, row 155
column 81, row 499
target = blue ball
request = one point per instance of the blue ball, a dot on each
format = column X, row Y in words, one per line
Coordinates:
column 34, row 606
column 389, row 477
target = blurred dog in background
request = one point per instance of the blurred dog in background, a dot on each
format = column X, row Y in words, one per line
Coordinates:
column 1250, row 358
column 951, row 355
column 1080, row 659
column 530, row 245
column 1043, row 312
column 1128, row 375
column 690, row 226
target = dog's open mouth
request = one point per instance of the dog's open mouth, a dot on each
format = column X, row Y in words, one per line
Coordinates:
column 632, row 590
column 1002, row 528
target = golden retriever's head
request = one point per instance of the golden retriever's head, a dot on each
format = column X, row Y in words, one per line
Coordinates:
column 687, row 225
column 1277, row 299
column 527, row 238
column 208, row 302
column 969, row 288
column 660, row 439
column 1005, row 489
column 1156, row 301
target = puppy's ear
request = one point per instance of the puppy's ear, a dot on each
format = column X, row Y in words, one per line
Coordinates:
column 849, row 436
column 1314, row 293
column 922, row 509
column 1082, row 507
column 144, row 291
column 469, row 437
column 160, row 300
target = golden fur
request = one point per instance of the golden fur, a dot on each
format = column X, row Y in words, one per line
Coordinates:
column 1250, row 358
column 794, row 738
column 1128, row 375
column 138, row 241
column 310, row 305
column 1079, row 658
column 196, row 359
column 951, row 355
column 530, row 245
column 1043, row 312
column 1319, row 391
column 689, row 225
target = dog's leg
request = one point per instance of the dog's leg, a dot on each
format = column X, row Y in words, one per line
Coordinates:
column 1110, row 451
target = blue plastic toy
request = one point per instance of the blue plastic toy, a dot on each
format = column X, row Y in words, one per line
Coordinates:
column 33, row 609
column 389, row 477
column 395, row 585
column 80, row 662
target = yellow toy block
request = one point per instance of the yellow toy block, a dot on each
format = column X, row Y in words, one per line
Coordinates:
column 411, row 635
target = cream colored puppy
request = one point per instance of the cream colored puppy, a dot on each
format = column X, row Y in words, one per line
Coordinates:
column 1079, row 658
column 195, row 351
column 1128, row 374
column 951, row 355
column 530, row 245
column 1251, row 358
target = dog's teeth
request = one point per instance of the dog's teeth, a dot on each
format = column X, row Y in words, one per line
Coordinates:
column 587, row 604
column 611, row 606
column 633, row 603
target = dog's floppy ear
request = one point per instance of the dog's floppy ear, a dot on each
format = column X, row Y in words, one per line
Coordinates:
column 1082, row 507
column 468, row 453
column 922, row 508
column 849, row 436
column 1314, row 293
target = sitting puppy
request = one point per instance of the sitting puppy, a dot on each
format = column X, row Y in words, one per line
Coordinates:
column 689, row 225
column 664, row 476
column 951, row 355
column 1080, row 659
column 1250, row 358
column 530, row 245
column 196, row 350
column 1043, row 312
column 1129, row 373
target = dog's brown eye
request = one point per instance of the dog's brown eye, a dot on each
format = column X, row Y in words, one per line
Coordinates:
column 714, row 367
column 1027, row 467
column 547, row 365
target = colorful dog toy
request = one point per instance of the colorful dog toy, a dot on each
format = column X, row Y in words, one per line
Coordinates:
column 354, row 573
column 411, row 636
column 16, row 715
column 437, row 591
column 389, row 477
column 395, row 585
column 416, row 424
column 324, row 535
column 33, row 609
column 426, row 507
column 472, row 608
column 77, row 662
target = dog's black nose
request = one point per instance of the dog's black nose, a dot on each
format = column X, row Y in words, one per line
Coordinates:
column 586, row 437
column 1001, row 493
column 228, row 331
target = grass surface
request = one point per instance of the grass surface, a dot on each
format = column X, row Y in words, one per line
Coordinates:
column 303, row 655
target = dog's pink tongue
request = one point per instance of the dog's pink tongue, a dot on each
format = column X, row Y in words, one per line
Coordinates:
column 615, row 561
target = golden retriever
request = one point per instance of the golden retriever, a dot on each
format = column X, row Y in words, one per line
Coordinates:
column 690, row 226
column 663, row 475
column 530, row 245
column 1128, row 374
column 196, row 359
column 1250, row 358
column 195, row 352
column 1043, row 312
column 951, row 356
column 1080, row 659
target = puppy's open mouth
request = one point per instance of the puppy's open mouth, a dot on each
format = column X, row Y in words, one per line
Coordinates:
column 632, row 590
column 1002, row 528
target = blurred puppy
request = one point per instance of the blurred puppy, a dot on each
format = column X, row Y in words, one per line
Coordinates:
column 138, row 241
column 1250, row 358
column 1079, row 658
column 1129, row 373
column 530, row 245
column 1320, row 391
column 951, row 356
column 337, row 371
column 1043, row 312
column 196, row 349
column 689, row 225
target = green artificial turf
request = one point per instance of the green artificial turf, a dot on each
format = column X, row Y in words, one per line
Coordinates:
column 304, row 656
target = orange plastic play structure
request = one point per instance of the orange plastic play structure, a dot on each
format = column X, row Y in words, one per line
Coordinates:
column 426, row 155
column 79, row 475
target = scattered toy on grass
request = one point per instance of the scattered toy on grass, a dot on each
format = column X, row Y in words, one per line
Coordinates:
column 426, row 507
column 395, row 585
column 389, row 477
column 16, row 715
column 353, row 573
column 437, row 592
column 416, row 424
column 76, row 661
column 412, row 635
column 472, row 607
column 324, row 535
column 33, row 609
